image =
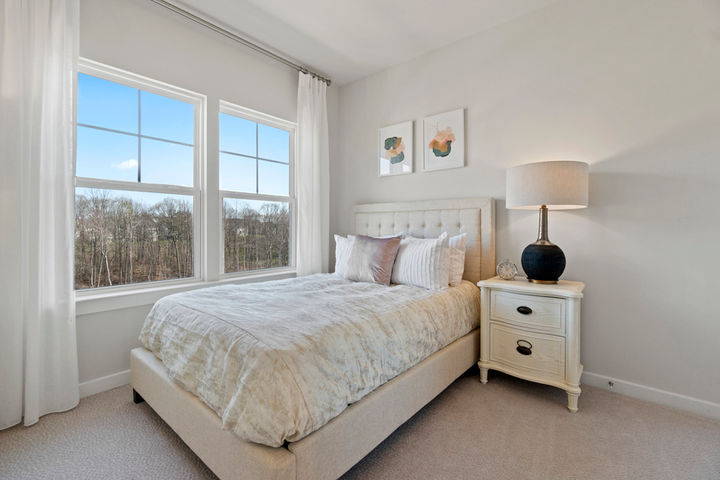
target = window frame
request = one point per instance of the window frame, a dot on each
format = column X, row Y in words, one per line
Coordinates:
column 199, row 101
column 229, row 108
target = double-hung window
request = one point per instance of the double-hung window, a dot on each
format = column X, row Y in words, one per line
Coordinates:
column 138, row 167
column 256, row 190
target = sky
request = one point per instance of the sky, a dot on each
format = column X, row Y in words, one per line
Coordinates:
column 133, row 115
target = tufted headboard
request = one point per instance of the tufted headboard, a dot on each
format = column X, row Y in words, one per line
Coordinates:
column 429, row 218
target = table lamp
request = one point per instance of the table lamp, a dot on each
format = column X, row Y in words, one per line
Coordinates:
column 560, row 185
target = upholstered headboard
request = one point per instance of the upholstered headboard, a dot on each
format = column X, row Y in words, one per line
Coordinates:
column 429, row 218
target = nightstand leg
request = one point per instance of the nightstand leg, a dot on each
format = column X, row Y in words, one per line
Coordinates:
column 483, row 374
column 573, row 401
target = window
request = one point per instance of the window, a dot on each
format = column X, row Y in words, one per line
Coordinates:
column 137, row 167
column 256, row 190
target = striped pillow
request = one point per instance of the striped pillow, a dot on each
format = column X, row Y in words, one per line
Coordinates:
column 423, row 262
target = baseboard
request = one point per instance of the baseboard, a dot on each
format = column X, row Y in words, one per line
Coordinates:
column 651, row 394
column 108, row 382
column 623, row 387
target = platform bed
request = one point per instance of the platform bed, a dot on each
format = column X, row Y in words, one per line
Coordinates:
column 333, row 449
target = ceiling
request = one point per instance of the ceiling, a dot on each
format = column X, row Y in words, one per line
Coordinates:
column 350, row 39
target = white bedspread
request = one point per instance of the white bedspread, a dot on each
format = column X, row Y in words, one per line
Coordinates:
column 278, row 360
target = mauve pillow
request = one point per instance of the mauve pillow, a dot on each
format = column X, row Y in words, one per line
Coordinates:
column 371, row 259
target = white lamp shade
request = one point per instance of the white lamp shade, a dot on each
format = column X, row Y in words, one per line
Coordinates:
column 558, row 185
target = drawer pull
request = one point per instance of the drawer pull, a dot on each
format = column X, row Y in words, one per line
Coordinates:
column 524, row 347
column 524, row 310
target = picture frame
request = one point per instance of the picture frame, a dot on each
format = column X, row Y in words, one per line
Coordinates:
column 444, row 140
column 395, row 149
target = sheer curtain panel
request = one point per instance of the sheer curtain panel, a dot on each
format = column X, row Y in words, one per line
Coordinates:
column 38, row 353
column 312, row 176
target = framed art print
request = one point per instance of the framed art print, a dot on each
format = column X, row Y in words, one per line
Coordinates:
column 395, row 150
column 444, row 140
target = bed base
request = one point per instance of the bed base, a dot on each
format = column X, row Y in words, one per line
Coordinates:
column 326, row 453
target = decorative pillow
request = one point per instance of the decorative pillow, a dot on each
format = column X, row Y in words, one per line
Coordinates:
column 342, row 252
column 423, row 262
column 457, row 258
column 371, row 259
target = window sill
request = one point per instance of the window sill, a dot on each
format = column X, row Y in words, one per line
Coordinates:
column 96, row 302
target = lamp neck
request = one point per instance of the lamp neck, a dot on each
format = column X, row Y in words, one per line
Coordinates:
column 543, row 225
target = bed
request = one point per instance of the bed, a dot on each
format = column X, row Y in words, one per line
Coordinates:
column 349, row 432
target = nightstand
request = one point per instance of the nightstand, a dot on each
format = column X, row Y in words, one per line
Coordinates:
column 532, row 331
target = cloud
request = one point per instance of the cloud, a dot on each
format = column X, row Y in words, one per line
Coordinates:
column 127, row 164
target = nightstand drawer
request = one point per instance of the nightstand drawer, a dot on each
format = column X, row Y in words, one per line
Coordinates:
column 531, row 311
column 535, row 354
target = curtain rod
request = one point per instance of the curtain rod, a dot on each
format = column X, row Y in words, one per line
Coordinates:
column 216, row 28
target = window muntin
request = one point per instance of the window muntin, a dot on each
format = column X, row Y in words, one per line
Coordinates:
column 97, row 96
column 237, row 135
column 243, row 142
column 137, row 192
column 148, row 132
column 256, row 153
column 166, row 118
column 106, row 155
column 167, row 163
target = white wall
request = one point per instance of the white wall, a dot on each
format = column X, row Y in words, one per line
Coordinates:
column 630, row 87
column 143, row 38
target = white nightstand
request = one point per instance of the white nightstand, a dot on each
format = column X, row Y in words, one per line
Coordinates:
column 532, row 331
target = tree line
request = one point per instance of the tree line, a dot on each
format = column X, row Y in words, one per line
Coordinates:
column 119, row 240
column 255, row 238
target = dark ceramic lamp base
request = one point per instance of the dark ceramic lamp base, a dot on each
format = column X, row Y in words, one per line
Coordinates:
column 543, row 261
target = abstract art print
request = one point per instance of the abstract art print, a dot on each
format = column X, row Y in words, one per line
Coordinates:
column 396, row 149
column 444, row 139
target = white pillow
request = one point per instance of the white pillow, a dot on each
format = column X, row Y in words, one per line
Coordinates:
column 423, row 262
column 457, row 258
column 342, row 252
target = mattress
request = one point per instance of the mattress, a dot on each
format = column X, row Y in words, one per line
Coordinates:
column 278, row 360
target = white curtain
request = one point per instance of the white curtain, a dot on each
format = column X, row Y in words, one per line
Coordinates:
column 38, row 353
column 312, row 176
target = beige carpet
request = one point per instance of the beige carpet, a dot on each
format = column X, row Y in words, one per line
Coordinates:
column 507, row 429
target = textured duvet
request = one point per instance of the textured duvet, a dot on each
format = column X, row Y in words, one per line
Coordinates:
column 278, row 360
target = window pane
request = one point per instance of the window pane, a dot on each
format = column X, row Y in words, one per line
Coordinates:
column 237, row 135
column 257, row 234
column 273, row 143
column 237, row 173
column 167, row 118
column 167, row 163
column 106, row 155
column 131, row 237
column 107, row 104
column 273, row 178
